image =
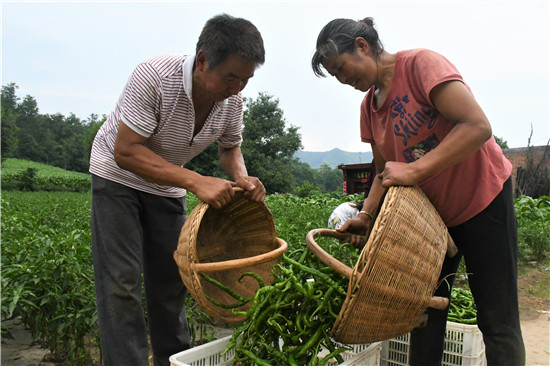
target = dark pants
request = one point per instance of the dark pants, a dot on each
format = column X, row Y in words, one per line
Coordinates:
column 133, row 233
column 488, row 243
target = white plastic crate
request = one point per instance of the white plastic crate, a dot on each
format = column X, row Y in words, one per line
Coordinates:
column 395, row 351
column 463, row 347
column 209, row 355
column 370, row 356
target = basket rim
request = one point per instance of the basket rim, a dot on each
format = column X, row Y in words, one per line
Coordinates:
column 191, row 267
column 345, row 326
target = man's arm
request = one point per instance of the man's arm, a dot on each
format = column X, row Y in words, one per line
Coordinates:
column 232, row 162
column 131, row 154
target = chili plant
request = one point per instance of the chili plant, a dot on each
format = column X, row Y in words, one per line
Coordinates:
column 533, row 215
column 47, row 276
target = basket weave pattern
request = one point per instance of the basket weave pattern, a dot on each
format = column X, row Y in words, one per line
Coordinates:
column 397, row 271
column 225, row 243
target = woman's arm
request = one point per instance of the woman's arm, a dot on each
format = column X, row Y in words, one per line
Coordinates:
column 472, row 129
column 372, row 201
column 360, row 226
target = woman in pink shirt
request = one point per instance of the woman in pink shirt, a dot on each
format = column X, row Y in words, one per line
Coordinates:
column 426, row 128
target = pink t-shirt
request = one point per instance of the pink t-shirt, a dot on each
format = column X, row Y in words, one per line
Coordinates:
column 408, row 125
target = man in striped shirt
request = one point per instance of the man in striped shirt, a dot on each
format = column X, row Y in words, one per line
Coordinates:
column 171, row 109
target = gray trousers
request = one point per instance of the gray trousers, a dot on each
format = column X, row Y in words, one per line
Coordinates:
column 135, row 233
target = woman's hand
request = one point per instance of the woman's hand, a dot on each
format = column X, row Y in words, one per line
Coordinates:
column 399, row 174
column 358, row 228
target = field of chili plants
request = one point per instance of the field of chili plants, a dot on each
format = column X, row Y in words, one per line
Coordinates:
column 47, row 276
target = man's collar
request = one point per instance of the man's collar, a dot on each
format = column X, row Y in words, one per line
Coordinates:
column 187, row 67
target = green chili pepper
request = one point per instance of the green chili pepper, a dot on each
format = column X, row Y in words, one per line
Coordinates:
column 255, row 275
column 253, row 357
column 331, row 355
column 226, row 306
column 225, row 288
column 309, row 344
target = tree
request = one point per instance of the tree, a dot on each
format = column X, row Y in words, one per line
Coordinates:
column 30, row 131
column 501, row 142
column 9, row 121
column 207, row 163
column 533, row 179
column 91, row 126
column 269, row 146
column 50, row 139
column 329, row 179
column 9, row 98
column 303, row 173
column 72, row 132
column 9, row 133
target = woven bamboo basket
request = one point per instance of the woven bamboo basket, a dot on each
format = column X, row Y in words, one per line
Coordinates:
column 393, row 281
column 224, row 244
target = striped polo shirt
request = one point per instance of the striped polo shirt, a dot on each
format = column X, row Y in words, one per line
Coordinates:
column 156, row 103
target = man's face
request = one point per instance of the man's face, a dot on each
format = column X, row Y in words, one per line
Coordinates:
column 227, row 78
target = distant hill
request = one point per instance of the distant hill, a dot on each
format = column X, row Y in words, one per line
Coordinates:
column 333, row 157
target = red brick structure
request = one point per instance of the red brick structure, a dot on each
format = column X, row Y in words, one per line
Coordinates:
column 518, row 157
column 357, row 177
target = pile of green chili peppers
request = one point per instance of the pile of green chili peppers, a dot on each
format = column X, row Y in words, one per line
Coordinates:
column 290, row 320
column 462, row 308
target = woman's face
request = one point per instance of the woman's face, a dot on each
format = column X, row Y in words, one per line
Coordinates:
column 357, row 69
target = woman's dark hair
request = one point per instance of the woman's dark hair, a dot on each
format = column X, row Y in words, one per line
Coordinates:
column 224, row 36
column 338, row 37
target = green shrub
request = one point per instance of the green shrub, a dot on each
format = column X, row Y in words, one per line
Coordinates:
column 307, row 189
column 26, row 179
column 533, row 217
column 25, row 175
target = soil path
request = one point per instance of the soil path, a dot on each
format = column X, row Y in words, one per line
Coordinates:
column 536, row 336
column 18, row 349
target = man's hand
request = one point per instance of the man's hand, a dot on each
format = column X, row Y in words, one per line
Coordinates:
column 254, row 189
column 216, row 192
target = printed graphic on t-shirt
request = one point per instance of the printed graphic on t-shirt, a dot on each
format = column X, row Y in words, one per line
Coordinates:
column 408, row 123
column 419, row 150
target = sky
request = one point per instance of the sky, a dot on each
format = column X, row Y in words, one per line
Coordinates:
column 75, row 56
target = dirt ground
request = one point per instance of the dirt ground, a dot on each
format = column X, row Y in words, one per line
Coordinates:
column 534, row 307
column 534, row 295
